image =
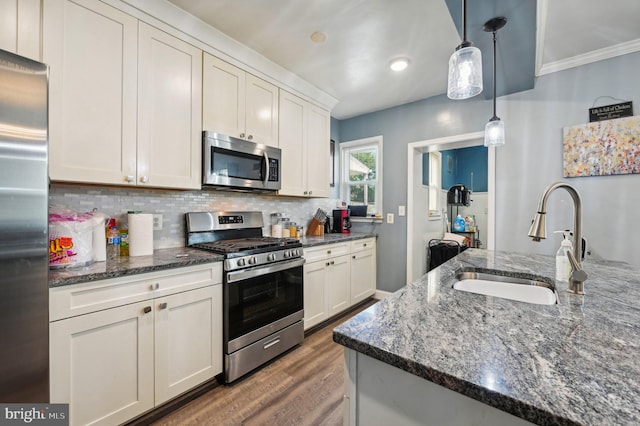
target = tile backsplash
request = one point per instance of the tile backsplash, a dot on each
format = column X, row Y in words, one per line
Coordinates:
column 173, row 204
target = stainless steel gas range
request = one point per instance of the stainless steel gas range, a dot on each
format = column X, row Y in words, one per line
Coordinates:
column 262, row 287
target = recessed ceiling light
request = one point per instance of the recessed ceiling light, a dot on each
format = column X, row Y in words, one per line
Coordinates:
column 399, row 64
column 318, row 37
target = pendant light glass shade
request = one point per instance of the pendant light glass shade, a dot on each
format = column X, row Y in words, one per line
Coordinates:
column 494, row 132
column 465, row 66
column 465, row 73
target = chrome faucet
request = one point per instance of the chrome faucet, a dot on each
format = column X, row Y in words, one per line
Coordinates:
column 538, row 232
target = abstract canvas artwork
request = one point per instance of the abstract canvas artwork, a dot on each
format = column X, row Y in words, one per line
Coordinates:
column 610, row 147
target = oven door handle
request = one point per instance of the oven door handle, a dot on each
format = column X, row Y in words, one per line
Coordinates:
column 262, row 270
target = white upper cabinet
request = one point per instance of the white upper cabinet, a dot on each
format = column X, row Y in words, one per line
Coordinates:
column 124, row 107
column 304, row 140
column 169, row 111
column 91, row 49
column 238, row 104
column 20, row 27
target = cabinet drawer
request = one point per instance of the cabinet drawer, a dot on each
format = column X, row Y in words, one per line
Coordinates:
column 83, row 298
column 325, row 251
column 364, row 244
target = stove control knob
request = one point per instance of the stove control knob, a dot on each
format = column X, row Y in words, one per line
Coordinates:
column 271, row 257
column 252, row 260
column 296, row 252
column 287, row 254
column 241, row 262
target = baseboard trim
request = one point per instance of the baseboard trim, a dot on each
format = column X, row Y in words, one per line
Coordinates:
column 381, row 294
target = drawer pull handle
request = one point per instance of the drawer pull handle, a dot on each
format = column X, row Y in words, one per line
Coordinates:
column 147, row 309
column 163, row 305
column 271, row 343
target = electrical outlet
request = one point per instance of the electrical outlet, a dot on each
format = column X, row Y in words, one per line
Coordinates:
column 401, row 211
column 389, row 217
column 157, row 222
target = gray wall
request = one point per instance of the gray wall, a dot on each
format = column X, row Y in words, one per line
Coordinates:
column 530, row 161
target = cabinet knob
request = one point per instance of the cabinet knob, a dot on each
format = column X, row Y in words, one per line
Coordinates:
column 147, row 309
column 305, row 192
column 250, row 137
column 332, row 262
column 310, row 192
column 353, row 257
column 328, row 251
column 130, row 178
column 328, row 263
column 144, row 179
column 163, row 305
column 242, row 135
column 365, row 244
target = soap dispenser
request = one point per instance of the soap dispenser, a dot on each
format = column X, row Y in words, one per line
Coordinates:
column 563, row 267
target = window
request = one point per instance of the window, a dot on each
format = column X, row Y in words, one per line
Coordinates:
column 361, row 177
column 435, row 184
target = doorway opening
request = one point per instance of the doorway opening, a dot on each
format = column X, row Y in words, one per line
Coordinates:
column 423, row 221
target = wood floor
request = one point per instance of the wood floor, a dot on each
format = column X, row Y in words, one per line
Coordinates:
column 303, row 387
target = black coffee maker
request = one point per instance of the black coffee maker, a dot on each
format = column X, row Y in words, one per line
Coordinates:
column 341, row 221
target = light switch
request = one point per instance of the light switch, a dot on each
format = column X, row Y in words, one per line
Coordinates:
column 389, row 217
column 401, row 211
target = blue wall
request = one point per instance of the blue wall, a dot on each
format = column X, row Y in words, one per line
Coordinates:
column 465, row 161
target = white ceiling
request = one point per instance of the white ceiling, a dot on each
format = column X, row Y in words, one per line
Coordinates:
column 352, row 65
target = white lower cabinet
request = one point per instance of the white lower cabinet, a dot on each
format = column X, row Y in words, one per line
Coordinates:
column 114, row 364
column 337, row 276
column 363, row 269
column 102, row 364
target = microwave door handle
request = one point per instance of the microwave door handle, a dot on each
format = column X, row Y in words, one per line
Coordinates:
column 266, row 168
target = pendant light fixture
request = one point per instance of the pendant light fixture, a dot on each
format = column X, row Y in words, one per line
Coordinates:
column 494, row 130
column 465, row 66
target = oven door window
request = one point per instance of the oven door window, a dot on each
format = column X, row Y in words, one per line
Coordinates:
column 259, row 301
column 237, row 165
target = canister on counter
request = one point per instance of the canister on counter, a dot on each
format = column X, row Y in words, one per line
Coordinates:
column 276, row 225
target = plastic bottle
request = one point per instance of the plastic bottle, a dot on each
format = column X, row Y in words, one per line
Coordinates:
column 113, row 243
column 124, row 240
column 563, row 267
column 458, row 224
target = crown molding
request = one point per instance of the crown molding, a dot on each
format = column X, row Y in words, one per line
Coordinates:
column 590, row 57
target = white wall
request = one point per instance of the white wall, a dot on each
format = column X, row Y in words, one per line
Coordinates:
column 532, row 159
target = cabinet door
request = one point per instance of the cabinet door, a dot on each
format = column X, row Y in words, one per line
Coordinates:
column 91, row 49
column 314, row 294
column 317, row 153
column 338, row 287
column 261, row 113
column 223, row 97
column 20, row 29
column 188, row 340
column 363, row 275
column 293, row 135
column 169, row 111
column 102, row 364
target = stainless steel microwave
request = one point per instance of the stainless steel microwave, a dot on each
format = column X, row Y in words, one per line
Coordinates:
column 237, row 164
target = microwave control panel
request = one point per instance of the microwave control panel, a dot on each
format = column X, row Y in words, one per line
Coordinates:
column 273, row 170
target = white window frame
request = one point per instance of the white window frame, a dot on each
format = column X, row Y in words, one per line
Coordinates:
column 355, row 145
column 435, row 184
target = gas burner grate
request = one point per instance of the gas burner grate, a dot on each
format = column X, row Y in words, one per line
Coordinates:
column 246, row 244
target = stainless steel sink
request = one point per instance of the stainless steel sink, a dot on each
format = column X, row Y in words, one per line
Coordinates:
column 529, row 290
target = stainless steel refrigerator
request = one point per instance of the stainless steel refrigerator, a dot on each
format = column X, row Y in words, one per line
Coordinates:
column 24, row 263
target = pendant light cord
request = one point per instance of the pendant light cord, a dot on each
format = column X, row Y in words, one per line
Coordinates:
column 464, row 21
column 494, row 76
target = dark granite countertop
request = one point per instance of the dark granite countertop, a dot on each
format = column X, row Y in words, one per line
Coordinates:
column 309, row 241
column 164, row 259
column 575, row 362
column 160, row 260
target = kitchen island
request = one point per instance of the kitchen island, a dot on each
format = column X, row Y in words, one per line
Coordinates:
column 429, row 350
